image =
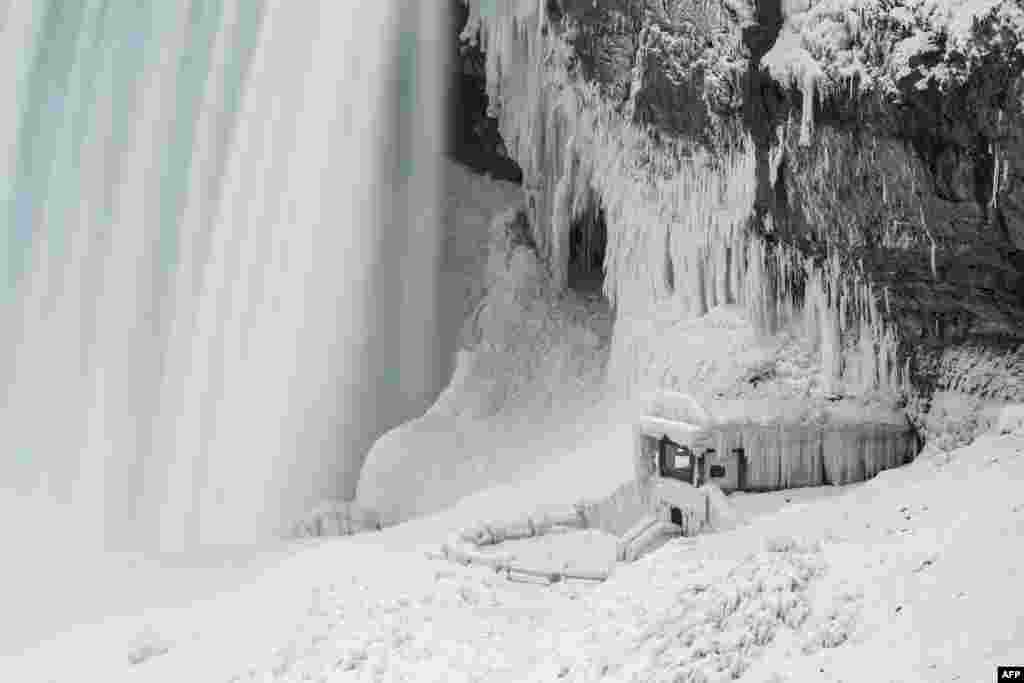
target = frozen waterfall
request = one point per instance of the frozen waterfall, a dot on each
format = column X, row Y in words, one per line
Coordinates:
column 218, row 258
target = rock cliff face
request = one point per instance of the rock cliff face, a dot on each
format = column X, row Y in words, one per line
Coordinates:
column 852, row 169
column 914, row 169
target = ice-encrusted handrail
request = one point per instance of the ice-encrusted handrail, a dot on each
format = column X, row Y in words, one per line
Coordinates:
column 464, row 547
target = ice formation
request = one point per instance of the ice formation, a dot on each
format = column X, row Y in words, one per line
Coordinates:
column 793, row 66
column 678, row 238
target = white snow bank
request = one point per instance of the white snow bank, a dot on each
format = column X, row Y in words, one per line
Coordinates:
column 98, row 611
column 956, row 418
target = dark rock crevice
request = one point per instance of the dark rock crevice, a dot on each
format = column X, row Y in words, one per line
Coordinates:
column 473, row 137
column 763, row 106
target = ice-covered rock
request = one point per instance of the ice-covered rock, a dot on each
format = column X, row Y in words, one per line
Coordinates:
column 337, row 518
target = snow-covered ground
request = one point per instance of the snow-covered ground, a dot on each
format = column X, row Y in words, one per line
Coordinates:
column 912, row 576
column 908, row 577
column 57, row 587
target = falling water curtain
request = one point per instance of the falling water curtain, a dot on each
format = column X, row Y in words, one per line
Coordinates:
column 207, row 264
column 422, row 96
column 105, row 131
column 409, row 361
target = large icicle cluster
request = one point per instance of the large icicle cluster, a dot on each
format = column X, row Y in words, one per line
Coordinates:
column 843, row 316
column 677, row 214
column 665, row 203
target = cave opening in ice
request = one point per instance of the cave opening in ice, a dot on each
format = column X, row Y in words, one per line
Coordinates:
column 588, row 240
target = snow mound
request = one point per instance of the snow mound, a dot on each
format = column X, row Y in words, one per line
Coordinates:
column 1011, row 419
column 148, row 643
column 703, row 627
column 723, row 514
column 836, row 625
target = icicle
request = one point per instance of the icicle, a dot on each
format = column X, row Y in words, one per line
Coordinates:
column 561, row 223
column 777, row 154
column 924, row 223
column 994, row 149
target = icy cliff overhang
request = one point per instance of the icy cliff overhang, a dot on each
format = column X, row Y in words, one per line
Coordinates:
column 895, row 226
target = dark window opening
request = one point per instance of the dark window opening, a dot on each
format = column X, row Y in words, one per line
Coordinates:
column 676, row 460
column 676, row 516
column 588, row 239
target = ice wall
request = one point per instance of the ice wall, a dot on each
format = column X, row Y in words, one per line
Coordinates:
column 218, row 255
column 790, row 456
column 681, row 238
